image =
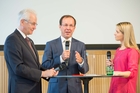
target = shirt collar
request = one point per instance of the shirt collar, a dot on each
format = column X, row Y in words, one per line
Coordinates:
column 24, row 36
column 63, row 39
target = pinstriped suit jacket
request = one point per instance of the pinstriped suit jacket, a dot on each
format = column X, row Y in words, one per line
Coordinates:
column 51, row 58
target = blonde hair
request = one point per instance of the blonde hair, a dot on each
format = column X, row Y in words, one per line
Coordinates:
column 129, row 38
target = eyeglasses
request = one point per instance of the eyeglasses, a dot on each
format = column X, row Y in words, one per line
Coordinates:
column 66, row 25
column 32, row 23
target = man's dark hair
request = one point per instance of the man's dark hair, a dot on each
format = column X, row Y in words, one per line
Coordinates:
column 67, row 16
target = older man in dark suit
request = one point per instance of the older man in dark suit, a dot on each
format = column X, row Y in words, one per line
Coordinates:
column 22, row 59
column 70, row 51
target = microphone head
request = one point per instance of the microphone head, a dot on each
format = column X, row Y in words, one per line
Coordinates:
column 62, row 66
column 67, row 45
column 108, row 55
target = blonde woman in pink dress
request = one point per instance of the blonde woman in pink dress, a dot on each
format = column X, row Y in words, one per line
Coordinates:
column 125, row 61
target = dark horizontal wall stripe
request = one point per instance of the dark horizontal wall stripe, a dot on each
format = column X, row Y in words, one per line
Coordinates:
column 101, row 46
column 88, row 46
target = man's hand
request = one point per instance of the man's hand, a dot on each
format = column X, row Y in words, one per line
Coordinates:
column 78, row 57
column 49, row 73
column 65, row 54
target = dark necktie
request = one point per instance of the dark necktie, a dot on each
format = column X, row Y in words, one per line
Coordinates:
column 29, row 43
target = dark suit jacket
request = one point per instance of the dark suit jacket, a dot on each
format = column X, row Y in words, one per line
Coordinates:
column 23, row 66
column 51, row 58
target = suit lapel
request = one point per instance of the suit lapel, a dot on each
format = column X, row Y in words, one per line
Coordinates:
column 27, row 46
column 35, row 50
column 72, row 50
column 73, row 45
column 59, row 45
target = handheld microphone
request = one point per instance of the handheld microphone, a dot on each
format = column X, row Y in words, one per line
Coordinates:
column 67, row 45
column 66, row 48
column 108, row 54
column 109, row 69
column 60, row 67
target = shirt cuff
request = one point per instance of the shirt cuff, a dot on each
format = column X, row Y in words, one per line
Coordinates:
column 81, row 64
column 61, row 60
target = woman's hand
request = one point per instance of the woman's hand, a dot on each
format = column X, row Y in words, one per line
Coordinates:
column 109, row 62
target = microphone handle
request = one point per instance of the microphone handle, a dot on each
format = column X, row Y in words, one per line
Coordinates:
column 67, row 48
column 66, row 61
column 57, row 69
column 109, row 57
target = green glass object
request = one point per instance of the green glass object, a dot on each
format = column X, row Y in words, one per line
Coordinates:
column 109, row 70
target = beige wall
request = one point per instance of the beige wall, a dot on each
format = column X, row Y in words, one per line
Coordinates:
column 96, row 60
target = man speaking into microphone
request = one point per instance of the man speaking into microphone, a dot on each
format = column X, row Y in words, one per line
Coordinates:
column 69, row 51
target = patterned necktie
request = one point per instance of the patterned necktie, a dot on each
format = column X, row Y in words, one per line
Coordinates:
column 29, row 43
